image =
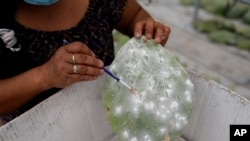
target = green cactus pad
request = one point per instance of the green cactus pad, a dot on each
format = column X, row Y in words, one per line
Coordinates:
column 163, row 103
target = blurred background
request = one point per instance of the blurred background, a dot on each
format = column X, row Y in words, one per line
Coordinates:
column 210, row 37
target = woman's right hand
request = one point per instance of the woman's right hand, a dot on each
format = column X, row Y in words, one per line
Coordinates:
column 59, row 72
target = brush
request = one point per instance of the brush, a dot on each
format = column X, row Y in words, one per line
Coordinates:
column 119, row 80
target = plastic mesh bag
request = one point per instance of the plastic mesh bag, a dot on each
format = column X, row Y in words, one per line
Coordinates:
column 161, row 108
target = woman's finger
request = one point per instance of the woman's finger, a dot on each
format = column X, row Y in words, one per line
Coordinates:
column 149, row 28
column 158, row 33
column 139, row 26
column 83, row 59
column 78, row 47
column 165, row 35
column 77, row 78
column 82, row 69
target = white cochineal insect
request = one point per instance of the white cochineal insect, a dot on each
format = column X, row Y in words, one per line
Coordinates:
column 164, row 98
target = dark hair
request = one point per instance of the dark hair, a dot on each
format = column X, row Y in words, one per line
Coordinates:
column 7, row 12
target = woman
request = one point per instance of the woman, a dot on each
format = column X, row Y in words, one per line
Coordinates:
column 48, row 45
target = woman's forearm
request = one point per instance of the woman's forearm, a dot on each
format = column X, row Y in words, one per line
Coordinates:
column 16, row 91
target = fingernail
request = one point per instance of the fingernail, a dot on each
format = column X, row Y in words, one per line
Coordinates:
column 163, row 37
column 100, row 63
column 137, row 34
column 148, row 35
column 157, row 40
column 101, row 71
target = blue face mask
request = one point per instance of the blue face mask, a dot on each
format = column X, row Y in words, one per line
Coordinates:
column 41, row 2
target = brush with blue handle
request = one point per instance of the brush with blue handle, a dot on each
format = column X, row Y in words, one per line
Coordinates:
column 119, row 80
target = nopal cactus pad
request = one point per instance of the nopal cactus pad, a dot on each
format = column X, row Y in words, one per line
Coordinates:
column 161, row 108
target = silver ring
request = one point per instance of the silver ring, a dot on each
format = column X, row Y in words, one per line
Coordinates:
column 74, row 68
column 73, row 59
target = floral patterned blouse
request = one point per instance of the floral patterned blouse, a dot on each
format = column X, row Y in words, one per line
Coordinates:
column 95, row 30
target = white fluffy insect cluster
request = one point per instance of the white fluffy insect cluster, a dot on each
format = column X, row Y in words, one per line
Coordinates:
column 165, row 95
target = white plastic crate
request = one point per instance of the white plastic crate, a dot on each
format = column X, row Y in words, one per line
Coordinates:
column 76, row 113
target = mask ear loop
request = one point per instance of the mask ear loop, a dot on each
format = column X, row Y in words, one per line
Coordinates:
column 8, row 37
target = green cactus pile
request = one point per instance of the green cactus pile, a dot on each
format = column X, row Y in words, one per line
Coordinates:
column 222, row 29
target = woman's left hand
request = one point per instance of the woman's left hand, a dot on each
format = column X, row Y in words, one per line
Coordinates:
column 152, row 29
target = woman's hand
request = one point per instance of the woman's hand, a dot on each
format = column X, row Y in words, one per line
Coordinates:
column 71, row 63
column 57, row 72
column 152, row 30
column 136, row 21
